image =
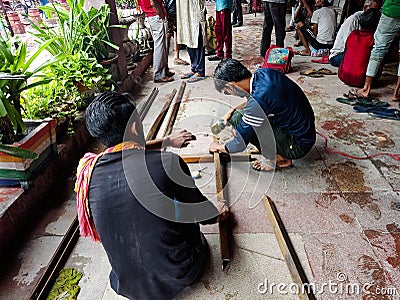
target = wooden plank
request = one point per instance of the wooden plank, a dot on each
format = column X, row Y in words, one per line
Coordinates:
column 208, row 157
column 175, row 108
column 152, row 133
column 292, row 261
column 224, row 226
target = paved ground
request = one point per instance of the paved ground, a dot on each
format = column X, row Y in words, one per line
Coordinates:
column 342, row 214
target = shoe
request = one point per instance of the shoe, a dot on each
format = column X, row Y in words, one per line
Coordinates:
column 233, row 23
column 215, row 58
column 163, row 80
column 237, row 25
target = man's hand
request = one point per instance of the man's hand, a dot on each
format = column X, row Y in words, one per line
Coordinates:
column 228, row 116
column 179, row 139
column 214, row 147
column 223, row 210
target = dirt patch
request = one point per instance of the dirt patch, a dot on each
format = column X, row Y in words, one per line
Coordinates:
column 349, row 177
column 372, row 274
column 350, row 130
column 346, row 218
column 366, row 202
column 325, row 200
column 394, row 230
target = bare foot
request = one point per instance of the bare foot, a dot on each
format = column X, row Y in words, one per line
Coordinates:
column 269, row 166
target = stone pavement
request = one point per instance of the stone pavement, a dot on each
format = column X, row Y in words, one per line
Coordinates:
column 342, row 215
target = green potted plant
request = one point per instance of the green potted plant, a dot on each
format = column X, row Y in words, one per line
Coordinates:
column 17, row 72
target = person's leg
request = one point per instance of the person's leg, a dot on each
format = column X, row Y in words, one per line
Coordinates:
column 235, row 12
column 239, row 13
column 267, row 29
column 336, row 60
column 197, row 58
column 396, row 95
column 158, row 31
column 384, row 35
column 227, row 32
column 278, row 12
column 219, row 33
column 302, row 32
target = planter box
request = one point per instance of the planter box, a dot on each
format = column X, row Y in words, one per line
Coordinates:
column 16, row 171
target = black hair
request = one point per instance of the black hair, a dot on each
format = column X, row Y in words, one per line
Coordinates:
column 107, row 117
column 229, row 70
column 369, row 19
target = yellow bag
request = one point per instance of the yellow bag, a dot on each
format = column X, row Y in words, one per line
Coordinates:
column 211, row 44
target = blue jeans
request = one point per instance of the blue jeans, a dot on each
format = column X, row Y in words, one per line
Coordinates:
column 336, row 60
column 384, row 35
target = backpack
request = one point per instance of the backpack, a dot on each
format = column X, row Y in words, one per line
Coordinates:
column 354, row 64
column 278, row 58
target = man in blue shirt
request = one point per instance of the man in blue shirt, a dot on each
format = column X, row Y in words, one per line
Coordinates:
column 223, row 29
column 276, row 109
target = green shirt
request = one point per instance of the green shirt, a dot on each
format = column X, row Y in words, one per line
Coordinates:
column 391, row 8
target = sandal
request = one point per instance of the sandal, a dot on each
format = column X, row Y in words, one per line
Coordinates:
column 195, row 78
column 271, row 166
column 353, row 94
column 326, row 71
column 311, row 73
column 302, row 53
column 187, row 75
column 162, row 80
column 181, row 62
column 392, row 114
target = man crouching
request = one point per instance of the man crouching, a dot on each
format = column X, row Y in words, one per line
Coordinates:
column 142, row 204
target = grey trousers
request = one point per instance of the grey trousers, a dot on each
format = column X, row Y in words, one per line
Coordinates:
column 160, row 55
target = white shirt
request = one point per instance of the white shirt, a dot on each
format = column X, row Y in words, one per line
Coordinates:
column 350, row 24
column 325, row 17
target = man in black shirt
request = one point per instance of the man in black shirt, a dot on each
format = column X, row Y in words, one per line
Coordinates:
column 142, row 204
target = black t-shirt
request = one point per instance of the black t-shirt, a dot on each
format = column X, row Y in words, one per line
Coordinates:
column 151, row 257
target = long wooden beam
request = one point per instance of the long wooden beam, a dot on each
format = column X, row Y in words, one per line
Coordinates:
column 152, row 133
column 292, row 261
column 207, row 157
column 224, row 226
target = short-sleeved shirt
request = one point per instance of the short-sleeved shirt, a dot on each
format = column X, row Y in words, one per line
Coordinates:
column 391, row 9
column 276, row 97
column 223, row 4
column 151, row 256
column 147, row 8
column 350, row 24
column 325, row 17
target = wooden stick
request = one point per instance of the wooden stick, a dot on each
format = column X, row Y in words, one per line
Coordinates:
column 175, row 108
column 207, row 157
column 224, row 228
column 155, row 127
column 292, row 261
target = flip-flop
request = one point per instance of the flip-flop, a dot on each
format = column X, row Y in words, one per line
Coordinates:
column 325, row 71
column 353, row 94
column 392, row 114
column 195, row 78
column 187, row 75
column 180, row 62
column 274, row 167
column 368, row 109
column 370, row 102
column 302, row 53
column 311, row 73
column 347, row 101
